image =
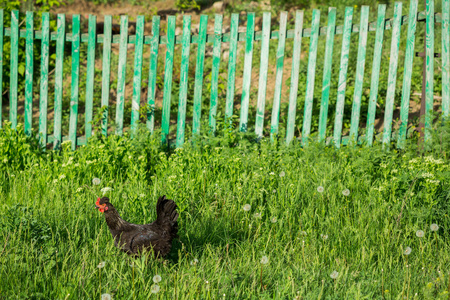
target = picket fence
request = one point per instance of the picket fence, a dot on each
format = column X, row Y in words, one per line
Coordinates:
column 217, row 38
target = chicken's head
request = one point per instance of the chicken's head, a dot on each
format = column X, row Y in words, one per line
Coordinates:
column 102, row 204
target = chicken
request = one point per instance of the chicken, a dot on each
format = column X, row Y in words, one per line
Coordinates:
column 133, row 238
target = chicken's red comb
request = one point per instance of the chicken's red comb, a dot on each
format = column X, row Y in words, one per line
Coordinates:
column 98, row 202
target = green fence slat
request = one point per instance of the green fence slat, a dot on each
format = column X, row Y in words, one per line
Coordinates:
column 445, row 58
column 137, row 77
column 74, row 92
column 90, row 74
column 278, row 76
column 429, row 86
column 106, row 71
column 232, row 66
column 215, row 71
column 60, row 39
column 328, row 60
column 359, row 78
column 310, row 79
column 259, row 124
column 14, row 68
column 377, row 53
column 290, row 127
column 247, row 76
column 154, row 45
column 181, row 122
column 392, row 77
column 203, row 26
column 342, row 77
column 171, row 20
column 29, row 73
column 406, row 86
column 43, row 93
column 1, row 65
column 122, row 70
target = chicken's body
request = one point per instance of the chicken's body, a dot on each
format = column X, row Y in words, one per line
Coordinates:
column 133, row 238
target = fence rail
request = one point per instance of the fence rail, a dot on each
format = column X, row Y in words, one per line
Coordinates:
column 217, row 39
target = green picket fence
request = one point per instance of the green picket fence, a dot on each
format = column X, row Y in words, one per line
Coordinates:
column 217, row 39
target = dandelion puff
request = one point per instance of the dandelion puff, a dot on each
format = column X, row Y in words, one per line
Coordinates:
column 141, row 195
column 434, row 227
column 274, row 220
column 154, row 289
column 247, row 207
column 96, row 181
column 156, row 278
column 324, row 236
column 194, row 262
column 62, row 176
column 55, row 181
column 303, row 232
column 407, row 251
column 105, row 190
column 257, row 215
column 334, row 275
column 420, row 233
column 346, row 192
column 106, row 297
column 101, row 265
column 79, row 189
column 274, row 191
column 264, row 260
column 282, row 174
column 320, row 189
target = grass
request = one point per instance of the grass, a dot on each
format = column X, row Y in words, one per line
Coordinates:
column 295, row 241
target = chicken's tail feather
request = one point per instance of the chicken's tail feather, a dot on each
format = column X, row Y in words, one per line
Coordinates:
column 167, row 215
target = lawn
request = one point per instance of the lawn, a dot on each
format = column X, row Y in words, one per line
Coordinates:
column 258, row 220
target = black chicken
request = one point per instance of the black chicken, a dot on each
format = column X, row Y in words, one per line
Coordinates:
column 133, row 238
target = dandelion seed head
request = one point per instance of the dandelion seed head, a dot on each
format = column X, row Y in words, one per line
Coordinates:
column 55, row 181
column 105, row 190
column 106, row 297
column 407, row 251
column 257, row 215
column 264, row 260
column 346, row 192
column 194, row 262
column 101, row 265
column 324, row 236
column 156, row 278
column 62, row 176
column 434, row 227
column 96, row 181
column 420, row 233
column 320, row 189
column 274, row 220
column 141, row 196
column 282, row 174
column 247, row 207
column 334, row 275
column 155, row 289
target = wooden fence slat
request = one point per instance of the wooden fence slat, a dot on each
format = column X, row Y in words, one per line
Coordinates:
column 1, row 64
column 154, row 45
column 14, row 68
column 406, row 86
column 259, row 124
column 61, row 34
column 392, row 77
column 198, row 87
column 29, row 50
column 122, row 70
column 331, row 28
column 183, row 80
column 310, row 79
column 168, row 79
column 359, row 79
column 247, row 76
column 342, row 77
column 278, row 77
column 215, row 71
column 106, row 71
column 74, row 94
column 294, row 76
column 90, row 69
column 429, row 86
column 445, row 58
column 231, row 82
column 377, row 53
column 137, row 77
column 43, row 93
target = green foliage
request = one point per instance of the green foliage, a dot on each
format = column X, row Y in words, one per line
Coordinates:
column 185, row 5
column 54, row 238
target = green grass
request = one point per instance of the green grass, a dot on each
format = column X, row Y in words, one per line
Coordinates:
column 52, row 239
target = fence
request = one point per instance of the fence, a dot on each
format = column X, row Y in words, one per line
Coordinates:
column 218, row 38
